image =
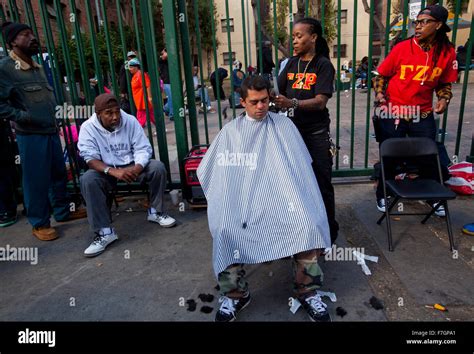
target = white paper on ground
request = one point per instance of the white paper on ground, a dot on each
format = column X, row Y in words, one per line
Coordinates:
column 330, row 295
column 361, row 261
column 295, row 305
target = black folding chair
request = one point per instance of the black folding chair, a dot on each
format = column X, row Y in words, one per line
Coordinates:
column 413, row 189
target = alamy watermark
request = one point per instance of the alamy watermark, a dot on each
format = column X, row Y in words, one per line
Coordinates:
column 68, row 111
column 21, row 254
column 343, row 253
column 391, row 111
column 243, row 159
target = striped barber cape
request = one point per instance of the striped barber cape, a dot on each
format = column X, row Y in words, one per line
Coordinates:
column 263, row 199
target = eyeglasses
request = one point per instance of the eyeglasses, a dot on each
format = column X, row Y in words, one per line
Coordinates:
column 422, row 23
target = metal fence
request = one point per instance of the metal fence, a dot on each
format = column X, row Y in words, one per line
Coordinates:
column 351, row 129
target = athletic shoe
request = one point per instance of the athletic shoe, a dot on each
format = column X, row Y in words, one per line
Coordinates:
column 231, row 307
column 161, row 218
column 100, row 243
column 315, row 308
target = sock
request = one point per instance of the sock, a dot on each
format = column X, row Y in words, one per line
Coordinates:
column 152, row 210
column 105, row 231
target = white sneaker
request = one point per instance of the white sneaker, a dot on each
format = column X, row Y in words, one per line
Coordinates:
column 440, row 211
column 381, row 205
column 100, row 243
column 161, row 218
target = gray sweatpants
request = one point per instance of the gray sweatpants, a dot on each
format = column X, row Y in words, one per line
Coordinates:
column 95, row 186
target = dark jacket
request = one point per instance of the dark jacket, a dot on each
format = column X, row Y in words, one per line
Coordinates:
column 164, row 71
column 223, row 73
column 27, row 99
column 123, row 79
column 7, row 144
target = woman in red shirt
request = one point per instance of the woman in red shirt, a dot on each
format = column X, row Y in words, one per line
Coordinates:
column 415, row 69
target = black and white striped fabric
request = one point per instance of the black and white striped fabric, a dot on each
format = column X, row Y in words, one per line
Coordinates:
column 263, row 199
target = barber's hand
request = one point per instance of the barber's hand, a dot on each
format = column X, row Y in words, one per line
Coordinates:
column 123, row 174
column 441, row 106
column 283, row 102
column 380, row 98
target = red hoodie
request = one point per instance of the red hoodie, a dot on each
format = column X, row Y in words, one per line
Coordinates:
column 413, row 77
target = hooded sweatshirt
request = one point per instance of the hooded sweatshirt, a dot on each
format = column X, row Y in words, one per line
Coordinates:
column 125, row 145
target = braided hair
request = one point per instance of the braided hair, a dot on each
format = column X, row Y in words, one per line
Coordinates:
column 321, row 45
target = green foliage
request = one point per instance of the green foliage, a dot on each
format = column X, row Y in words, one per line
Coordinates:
column 116, row 45
column 282, row 16
column 205, row 25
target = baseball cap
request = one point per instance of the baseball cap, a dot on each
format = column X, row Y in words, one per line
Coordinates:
column 439, row 13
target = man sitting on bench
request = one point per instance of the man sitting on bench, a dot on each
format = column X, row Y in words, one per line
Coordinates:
column 115, row 148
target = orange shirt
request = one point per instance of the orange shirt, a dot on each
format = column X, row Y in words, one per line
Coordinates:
column 138, row 91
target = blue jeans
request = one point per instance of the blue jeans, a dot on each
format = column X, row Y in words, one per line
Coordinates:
column 204, row 94
column 44, row 178
column 168, row 107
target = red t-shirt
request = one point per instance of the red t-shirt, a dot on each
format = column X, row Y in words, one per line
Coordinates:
column 413, row 77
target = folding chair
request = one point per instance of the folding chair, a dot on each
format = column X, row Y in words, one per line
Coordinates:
column 416, row 189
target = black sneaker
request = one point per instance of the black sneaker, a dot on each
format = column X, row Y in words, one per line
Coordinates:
column 230, row 307
column 7, row 220
column 315, row 308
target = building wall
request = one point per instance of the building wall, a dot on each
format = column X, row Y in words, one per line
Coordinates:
column 237, row 40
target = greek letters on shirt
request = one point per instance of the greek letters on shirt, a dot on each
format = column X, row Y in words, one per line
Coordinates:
column 302, row 81
column 419, row 73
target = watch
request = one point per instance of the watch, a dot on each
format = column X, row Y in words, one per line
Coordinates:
column 107, row 169
column 294, row 103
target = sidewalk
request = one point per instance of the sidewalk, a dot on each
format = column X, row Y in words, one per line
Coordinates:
column 150, row 272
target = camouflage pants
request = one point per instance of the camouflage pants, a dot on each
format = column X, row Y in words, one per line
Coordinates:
column 308, row 276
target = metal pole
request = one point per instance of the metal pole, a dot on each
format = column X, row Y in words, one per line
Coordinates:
column 275, row 36
column 338, row 80
column 323, row 16
column 188, row 72
column 143, row 77
column 53, row 60
column 171, row 33
column 405, row 19
column 457, row 11
column 229, row 46
column 124, row 54
column 216, row 65
column 110, row 53
column 259, row 26
column 291, row 28
column 94, row 47
column 464, row 87
column 31, row 20
column 13, row 11
column 249, row 42
column 244, row 34
column 80, row 53
column 353, row 83
column 151, row 52
column 369, row 83
column 387, row 26
column 201, row 75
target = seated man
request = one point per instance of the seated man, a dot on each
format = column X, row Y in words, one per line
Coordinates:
column 264, row 203
column 115, row 147
column 201, row 91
